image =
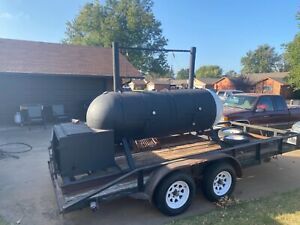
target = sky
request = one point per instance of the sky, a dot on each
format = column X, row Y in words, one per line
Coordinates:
column 221, row 30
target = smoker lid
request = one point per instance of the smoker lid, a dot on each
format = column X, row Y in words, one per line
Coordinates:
column 69, row 129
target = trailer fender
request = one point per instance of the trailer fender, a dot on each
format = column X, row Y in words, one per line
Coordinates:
column 186, row 166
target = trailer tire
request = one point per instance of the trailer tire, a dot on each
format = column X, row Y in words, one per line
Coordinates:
column 219, row 181
column 175, row 193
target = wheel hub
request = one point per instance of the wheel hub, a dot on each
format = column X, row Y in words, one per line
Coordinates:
column 177, row 194
column 222, row 183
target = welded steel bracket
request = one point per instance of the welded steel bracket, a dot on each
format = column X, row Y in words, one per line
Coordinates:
column 127, row 151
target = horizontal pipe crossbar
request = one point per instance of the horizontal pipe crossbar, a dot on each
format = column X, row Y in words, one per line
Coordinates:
column 154, row 49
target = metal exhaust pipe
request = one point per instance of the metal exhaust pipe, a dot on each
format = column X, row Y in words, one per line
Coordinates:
column 192, row 67
column 116, row 67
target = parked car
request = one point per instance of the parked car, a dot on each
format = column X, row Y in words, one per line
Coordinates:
column 224, row 94
column 295, row 129
column 263, row 109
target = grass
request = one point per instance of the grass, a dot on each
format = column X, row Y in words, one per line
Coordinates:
column 280, row 209
column 2, row 222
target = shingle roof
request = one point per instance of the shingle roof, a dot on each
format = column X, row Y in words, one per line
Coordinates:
column 166, row 81
column 179, row 82
column 31, row 57
column 256, row 77
column 209, row 80
column 280, row 80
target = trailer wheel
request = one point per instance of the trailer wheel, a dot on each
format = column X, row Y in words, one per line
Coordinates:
column 219, row 181
column 236, row 139
column 175, row 194
column 229, row 131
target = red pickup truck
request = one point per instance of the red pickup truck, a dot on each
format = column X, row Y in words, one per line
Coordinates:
column 266, row 110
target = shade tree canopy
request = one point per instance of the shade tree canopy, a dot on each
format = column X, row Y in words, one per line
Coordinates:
column 212, row 71
column 130, row 22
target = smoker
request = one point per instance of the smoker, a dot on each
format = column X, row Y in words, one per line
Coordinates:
column 155, row 146
column 116, row 119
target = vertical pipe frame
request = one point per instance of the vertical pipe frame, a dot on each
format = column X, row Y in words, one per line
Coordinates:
column 116, row 67
column 192, row 67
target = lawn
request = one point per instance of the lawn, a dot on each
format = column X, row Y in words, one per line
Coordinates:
column 280, row 209
column 2, row 222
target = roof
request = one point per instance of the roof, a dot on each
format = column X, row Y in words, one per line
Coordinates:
column 231, row 90
column 256, row 77
column 179, row 82
column 255, row 94
column 280, row 80
column 139, row 82
column 209, row 80
column 29, row 57
column 164, row 81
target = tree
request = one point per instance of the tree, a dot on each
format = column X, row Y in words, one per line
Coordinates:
column 292, row 56
column 209, row 71
column 169, row 73
column 129, row 22
column 182, row 74
column 262, row 60
column 231, row 73
column 243, row 83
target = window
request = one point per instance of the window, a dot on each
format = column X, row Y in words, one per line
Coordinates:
column 265, row 103
column 267, row 89
column 236, row 92
column 221, row 93
column 241, row 101
column 279, row 103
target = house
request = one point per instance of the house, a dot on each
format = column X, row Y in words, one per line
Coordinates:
column 48, row 73
column 169, row 83
column 271, row 83
column 205, row 83
column 276, row 86
column 159, row 84
column 256, row 77
column 224, row 83
column 178, row 84
column 138, row 84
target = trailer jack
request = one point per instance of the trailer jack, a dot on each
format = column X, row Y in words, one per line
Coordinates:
column 94, row 206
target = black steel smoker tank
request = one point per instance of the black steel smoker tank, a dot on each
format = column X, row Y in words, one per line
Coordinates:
column 154, row 114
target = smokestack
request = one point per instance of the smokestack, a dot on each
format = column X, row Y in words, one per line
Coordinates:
column 116, row 67
column 192, row 67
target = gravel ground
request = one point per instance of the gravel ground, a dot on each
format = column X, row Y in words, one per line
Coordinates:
column 26, row 193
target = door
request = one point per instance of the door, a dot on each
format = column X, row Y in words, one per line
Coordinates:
column 281, row 113
column 264, row 113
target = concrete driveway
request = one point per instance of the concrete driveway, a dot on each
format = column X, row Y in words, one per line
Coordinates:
column 26, row 192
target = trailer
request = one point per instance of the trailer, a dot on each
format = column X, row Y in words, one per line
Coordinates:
column 165, row 170
column 157, row 146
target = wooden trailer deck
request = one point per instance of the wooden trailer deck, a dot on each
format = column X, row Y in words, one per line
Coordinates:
column 168, row 149
column 167, row 153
